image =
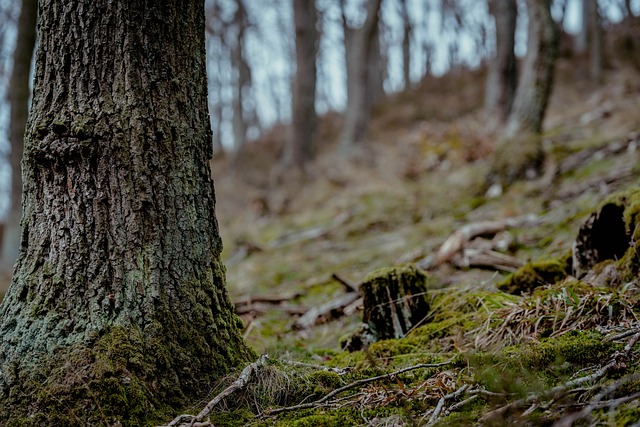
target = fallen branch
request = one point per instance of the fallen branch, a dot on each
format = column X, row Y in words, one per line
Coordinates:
column 348, row 286
column 326, row 312
column 459, row 238
column 269, row 299
column 487, row 259
column 597, row 403
column 240, row 383
column 339, row 371
column 438, row 409
column 261, row 308
column 322, row 401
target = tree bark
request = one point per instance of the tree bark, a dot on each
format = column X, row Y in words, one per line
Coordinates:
column 502, row 78
column 406, row 44
column 242, row 83
column 302, row 146
column 593, row 29
column 519, row 154
column 19, row 93
column 358, row 47
column 536, row 81
column 118, row 289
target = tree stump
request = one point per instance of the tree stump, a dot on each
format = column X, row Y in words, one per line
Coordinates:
column 606, row 250
column 394, row 301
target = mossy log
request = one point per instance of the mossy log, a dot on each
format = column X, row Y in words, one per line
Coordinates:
column 394, row 302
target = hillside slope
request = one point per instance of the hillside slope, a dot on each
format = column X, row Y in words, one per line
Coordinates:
column 522, row 357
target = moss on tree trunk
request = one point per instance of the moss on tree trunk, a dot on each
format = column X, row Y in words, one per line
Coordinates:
column 120, row 247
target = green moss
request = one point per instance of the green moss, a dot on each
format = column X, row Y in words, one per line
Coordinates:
column 534, row 274
column 123, row 378
column 532, row 367
column 237, row 418
column 580, row 348
column 326, row 379
column 106, row 384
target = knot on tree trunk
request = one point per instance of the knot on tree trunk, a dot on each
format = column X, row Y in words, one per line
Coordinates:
column 394, row 302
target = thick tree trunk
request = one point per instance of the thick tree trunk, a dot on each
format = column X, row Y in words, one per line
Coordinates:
column 502, row 75
column 19, row 93
column 536, row 81
column 302, row 146
column 119, row 289
column 358, row 47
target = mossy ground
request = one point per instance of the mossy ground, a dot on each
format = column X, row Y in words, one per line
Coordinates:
column 400, row 209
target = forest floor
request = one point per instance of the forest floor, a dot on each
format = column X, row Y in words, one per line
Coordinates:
column 553, row 354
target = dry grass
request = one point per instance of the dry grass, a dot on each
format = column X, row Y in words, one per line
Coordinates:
column 554, row 310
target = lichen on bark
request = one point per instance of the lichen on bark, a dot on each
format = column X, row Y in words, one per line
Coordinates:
column 120, row 241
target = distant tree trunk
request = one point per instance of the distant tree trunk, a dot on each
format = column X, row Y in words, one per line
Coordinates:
column 406, row 44
column 19, row 94
column 118, row 306
column 592, row 28
column 502, row 75
column 242, row 82
column 302, row 146
column 358, row 48
column 376, row 71
column 534, row 88
column 520, row 152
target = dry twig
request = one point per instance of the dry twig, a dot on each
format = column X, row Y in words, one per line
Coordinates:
column 323, row 401
column 240, row 383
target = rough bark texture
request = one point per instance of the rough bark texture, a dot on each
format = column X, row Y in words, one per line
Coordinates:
column 19, row 93
column 120, row 245
column 358, row 47
column 502, row 78
column 302, row 146
column 534, row 89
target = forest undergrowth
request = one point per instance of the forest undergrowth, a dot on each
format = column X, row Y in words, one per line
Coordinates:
column 514, row 335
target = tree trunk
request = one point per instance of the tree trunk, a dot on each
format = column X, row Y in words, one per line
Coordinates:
column 18, row 94
column 593, row 29
column 534, row 89
column 302, row 146
column 376, row 71
column 502, row 75
column 357, row 43
column 118, row 306
column 242, row 83
column 406, row 44
column 519, row 154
